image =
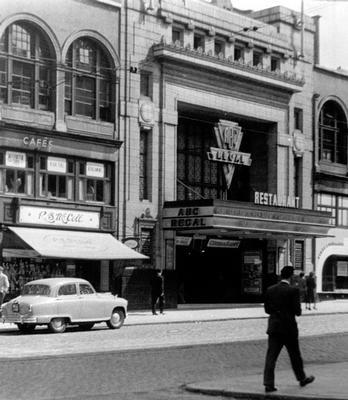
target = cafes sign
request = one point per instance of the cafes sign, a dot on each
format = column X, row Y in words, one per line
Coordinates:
column 229, row 137
column 59, row 217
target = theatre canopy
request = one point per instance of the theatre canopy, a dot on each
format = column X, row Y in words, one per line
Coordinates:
column 244, row 220
column 54, row 243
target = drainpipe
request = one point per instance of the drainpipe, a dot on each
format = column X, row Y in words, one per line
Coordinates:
column 125, row 141
column 315, row 158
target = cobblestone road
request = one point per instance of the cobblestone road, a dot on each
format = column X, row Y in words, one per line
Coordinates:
column 208, row 350
column 15, row 344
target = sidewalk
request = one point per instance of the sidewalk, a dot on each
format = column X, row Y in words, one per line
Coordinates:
column 331, row 379
column 220, row 312
column 330, row 384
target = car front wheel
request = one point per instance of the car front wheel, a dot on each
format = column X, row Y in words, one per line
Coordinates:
column 57, row 325
column 116, row 320
column 26, row 328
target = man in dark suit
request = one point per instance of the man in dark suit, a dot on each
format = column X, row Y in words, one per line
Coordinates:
column 282, row 303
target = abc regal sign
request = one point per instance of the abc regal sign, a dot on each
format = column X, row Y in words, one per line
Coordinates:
column 229, row 137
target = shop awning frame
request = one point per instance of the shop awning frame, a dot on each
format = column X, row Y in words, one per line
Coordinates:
column 58, row 243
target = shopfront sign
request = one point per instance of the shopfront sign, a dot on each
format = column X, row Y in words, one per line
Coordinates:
column 95, row 170
column 187, row 217
column 59, row 217
column 183, row 240
column 274, row 200
column 229, row 137
column 230, row 244
column 38, row 142
column 56, row 164
column 15, row 159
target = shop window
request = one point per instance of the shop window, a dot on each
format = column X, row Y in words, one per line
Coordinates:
column 298, row 119
column 26, row 67
column 332, row 133
column 335, row 274
column 16, row 173
column 178, row 36
column 144, row 165
column 56, row 178
column 327, row 202
column 198, row 41
column 94, row 183
column 88, row 81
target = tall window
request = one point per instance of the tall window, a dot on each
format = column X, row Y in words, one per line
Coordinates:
column 333, row 133
column 219, row 47
column 238, row 54
column 26, row 67
column 144, row 166
column 16, row 173
column 56, row 177
column 178, row 35
column 198, row 41
column 298, row 118
column 275, row 63
column 94, row 182
column 146, row 84
column 257, row 58
column 88, row 81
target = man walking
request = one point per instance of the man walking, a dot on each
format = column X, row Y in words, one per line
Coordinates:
column 4, row 285
column 282, row 303
column 157, row 292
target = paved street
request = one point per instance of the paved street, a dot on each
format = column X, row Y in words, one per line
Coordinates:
column 114, row 367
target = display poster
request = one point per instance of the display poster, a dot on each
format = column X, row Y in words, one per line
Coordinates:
column 252, row 272
column 342, row 268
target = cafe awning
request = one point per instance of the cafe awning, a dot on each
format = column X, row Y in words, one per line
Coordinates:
column 49, row 243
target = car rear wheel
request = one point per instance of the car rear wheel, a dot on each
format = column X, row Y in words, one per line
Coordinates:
column 26, row 328
column 86, row 326
column 117, row 319
column 57, row 325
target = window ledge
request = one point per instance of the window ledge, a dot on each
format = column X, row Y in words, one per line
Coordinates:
column 332, row 168
column 27, row 116
column 89, row 126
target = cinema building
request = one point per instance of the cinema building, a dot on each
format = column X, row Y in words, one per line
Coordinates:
column 59, row 143
column 224, row 141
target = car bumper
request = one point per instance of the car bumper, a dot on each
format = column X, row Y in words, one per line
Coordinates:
column 22, row 319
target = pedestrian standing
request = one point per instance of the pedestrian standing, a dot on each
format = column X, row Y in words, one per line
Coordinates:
column 282, row 303
column 302, row 286
column 4, row 285
column 157, row 292
column 311, row 286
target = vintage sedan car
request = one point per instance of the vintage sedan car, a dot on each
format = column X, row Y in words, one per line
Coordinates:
column 58, row 302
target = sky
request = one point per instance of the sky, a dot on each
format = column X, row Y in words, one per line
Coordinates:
column 333, row 25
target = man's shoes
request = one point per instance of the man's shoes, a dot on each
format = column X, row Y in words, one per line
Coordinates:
column 270, row 389
column 309, row 379
column 154, row 313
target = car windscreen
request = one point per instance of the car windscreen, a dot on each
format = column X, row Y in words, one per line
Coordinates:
column 36, row 290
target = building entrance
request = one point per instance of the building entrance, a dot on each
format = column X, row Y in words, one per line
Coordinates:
column 219, row 275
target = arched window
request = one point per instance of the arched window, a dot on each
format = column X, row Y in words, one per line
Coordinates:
column 332, row 133
column 25, row 67
column 88, row 81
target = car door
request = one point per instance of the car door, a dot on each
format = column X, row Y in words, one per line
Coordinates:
column 92, row 304
column 68, row 302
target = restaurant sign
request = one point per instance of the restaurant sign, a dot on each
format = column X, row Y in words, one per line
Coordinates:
column 59, row 217
column 229, row 137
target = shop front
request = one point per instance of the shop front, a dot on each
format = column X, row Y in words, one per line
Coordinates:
column 44, row 242
column 230, row 251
